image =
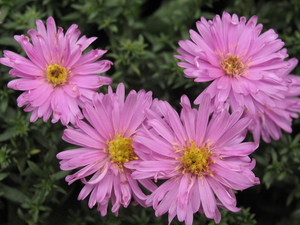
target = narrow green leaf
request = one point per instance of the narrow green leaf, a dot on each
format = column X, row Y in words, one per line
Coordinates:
column 3, row 176
column 60, row 175
column 8, row 134
column 34, row 167
column 13, row 194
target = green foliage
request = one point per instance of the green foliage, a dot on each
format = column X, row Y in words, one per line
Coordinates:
column 243, row 217
column 280, row 165
column 141, row 37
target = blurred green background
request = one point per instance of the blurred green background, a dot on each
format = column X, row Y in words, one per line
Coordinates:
column 141, row 37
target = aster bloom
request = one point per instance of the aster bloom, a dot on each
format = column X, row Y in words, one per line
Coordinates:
column 245, row 66
column 56, row 77
column 267, row 122
column 106, row 148
column 202, row 159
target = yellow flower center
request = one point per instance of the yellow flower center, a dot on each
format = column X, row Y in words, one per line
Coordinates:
column 196, row 160
column 121, row 150
column 56, row 75
column 233, row 66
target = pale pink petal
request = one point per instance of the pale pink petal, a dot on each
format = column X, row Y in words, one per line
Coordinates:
column 81, row 139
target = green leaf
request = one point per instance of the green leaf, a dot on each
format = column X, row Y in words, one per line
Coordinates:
column 8, row 134
column 13, row 194
column 34, row 167
column 268, row 179
column 71, row 16
column 8, row 41
column 3, row 105
column 59, row 189
column 4, row 11
column 60, row 175
column 281, row 176
column 3, row 176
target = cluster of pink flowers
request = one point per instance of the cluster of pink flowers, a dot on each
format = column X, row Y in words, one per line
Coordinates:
column 127, row 141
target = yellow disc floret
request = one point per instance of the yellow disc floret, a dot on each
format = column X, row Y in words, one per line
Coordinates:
column 196, row 160
column 56, row 75
column 233, row 66
column 121, row 150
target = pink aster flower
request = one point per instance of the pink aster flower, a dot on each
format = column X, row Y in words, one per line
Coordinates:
column 267, row 122
column 106, row 148
column 200, row 155
column 244, row 65
column 56, row 78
